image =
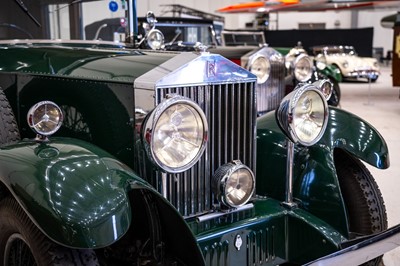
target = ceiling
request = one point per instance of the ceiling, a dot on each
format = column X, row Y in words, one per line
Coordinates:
column 59, row 2
column 267, row 6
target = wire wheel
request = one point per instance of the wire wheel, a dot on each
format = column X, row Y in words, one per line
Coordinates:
column 17, row 252
column 364, row 202
column 22, row 243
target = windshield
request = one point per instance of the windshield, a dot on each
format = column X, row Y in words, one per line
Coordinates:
column 349, row 50
column 191, row 33
column 341, row 50
column 77, row 21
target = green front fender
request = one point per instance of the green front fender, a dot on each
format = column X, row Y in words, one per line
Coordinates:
column 75, row 193
column 315, row 181
column 353, row 134
column 71, row 190
column 333, row 72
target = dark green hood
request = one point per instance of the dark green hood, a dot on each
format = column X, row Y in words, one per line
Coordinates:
column 118, row 65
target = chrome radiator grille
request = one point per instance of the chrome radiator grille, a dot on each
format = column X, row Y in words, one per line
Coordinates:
column 270, row 94
column 231, row 114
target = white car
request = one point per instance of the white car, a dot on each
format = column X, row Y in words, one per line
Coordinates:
column 346, row 59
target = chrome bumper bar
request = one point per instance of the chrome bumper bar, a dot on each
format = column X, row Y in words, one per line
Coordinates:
column 363, row 251
column 363, row 74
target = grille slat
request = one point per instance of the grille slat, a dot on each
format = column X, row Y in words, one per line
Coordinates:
column 231, row 114
column 270, row 94
column 245, row 101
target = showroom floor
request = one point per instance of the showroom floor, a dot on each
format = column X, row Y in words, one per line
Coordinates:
column 378, row 103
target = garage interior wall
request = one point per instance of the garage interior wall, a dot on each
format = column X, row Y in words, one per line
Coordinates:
column 383, row 37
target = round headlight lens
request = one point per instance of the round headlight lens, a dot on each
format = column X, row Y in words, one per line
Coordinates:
column 155, row 39
column 234, row 184
column 309, row 116
column 175, row 134
column 261, row 67
column 303, row 115
column 45, row 118
column 303, row 68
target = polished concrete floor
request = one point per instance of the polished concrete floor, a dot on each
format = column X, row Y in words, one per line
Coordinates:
column 378, row 103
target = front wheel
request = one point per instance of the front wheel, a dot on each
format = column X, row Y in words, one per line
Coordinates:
column 374, row 79
column 22, row 243
column 363, row 199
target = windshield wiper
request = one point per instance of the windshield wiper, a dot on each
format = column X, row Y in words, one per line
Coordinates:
column 25, row 9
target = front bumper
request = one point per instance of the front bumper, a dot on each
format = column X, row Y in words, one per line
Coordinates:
column 272, row 234
column 269, row 234
column 363, row 251
column 372, row 74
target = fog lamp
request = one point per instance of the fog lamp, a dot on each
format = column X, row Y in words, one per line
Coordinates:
column 233, row 184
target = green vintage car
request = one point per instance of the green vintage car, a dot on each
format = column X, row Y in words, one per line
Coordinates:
column 160, row 159
column 118, row 156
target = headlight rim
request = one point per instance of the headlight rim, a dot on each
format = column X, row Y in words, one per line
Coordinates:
column 320, row 84
column 284, row 114
column 150, row 123
column 221, row 176
column 35, row 108
column 149, row 36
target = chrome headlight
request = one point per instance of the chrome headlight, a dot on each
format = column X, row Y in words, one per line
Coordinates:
column 261, row 67
column 45, row 118
column 175, row 134
column 303, row 115
column 155, row 39
column 325, row 86
column 303, row 67
column 233, row 184
column 321, row 65
column 345, row 64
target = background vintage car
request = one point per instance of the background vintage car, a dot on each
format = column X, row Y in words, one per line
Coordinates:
column 321, row 70
column 346, row 59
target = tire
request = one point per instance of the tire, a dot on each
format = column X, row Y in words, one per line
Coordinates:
column 22, row 243
column 9, row 132
column 363, row 199
column 335, row 97
column 374, row 79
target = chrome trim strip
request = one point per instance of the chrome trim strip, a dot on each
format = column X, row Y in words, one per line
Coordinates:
column 289, row 174
column 363, row 251
column 60, row 41
column 213, row 215
column 192, row 69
